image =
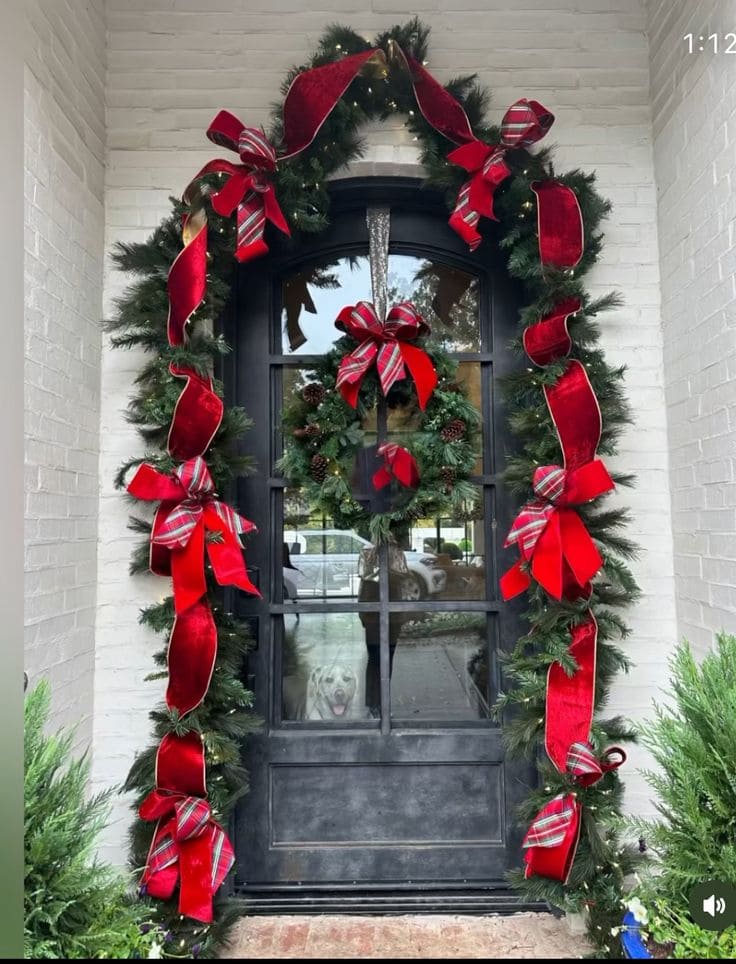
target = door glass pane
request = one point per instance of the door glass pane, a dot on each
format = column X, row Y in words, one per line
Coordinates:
column 325, row 660
column 440, row 667
column 446, row 297
column 313, row 297
column 446, row 557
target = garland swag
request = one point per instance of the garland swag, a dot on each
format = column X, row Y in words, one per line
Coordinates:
column 558, row 331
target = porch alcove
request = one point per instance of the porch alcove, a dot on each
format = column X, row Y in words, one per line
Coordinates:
column 379, row 778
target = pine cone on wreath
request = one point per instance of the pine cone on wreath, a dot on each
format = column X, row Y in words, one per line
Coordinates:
column 314, row 394
column 448, row 476
column 453, row 431
column 308, row 431
column 318, row 467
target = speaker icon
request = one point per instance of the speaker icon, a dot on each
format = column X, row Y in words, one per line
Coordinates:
column 714, row 905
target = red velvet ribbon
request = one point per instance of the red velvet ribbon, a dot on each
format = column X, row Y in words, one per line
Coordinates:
column 388, row 345
column 197, row 415
column 560, row 224
column 549, row 340
column 188, row 847
column 188, row 512
column 398, row 464
column 187, row 280
column 552, row 537
column 552, row 839
column 191, row 657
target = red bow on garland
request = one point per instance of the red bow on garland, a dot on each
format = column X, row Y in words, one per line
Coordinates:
column 552, row 838
column 189, row 509
column 386, row 343
column 523, row 124
column 585, row 767
column 552, row 536
column 399, row 464
column 190, row 849
column 248, row 187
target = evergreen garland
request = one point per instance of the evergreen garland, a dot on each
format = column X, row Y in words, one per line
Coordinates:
column 225, row 717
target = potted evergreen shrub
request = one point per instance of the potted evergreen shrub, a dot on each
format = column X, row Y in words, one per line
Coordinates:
column 693, row 742
column 75, row 906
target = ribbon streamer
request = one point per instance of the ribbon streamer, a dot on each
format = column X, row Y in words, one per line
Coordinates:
column 399, row 464
column 191, row 657
column 188, row 847
column 190, row 511
column 552, row 839
column 560, row 225
column 387, row 344
column 197, row 415
column 549, row 340
column 187, row 280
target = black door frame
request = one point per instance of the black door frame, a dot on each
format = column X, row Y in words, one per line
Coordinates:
column 406, row 197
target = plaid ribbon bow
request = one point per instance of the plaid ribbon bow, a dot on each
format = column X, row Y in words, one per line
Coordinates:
column 248, row 188
column 523, row 124
column 552, row 536
column 387, row 344
column 585, row 767
column 190, row 848
column 552, row 838
column 189, row 509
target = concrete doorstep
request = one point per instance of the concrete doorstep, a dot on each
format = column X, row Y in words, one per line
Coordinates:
column 412, row 936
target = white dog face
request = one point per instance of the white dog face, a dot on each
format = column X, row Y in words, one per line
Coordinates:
column 331, row 693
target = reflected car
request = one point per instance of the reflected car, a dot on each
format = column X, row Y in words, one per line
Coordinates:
column 326, row 562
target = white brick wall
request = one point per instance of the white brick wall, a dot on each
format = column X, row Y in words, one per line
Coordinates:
column 173, row 63
column 64, row 236
column 694, row 114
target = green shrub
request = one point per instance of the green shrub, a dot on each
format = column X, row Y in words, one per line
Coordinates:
column 693, row 742
column 75, row 906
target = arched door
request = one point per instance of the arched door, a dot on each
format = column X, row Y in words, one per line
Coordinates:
column 379, row 767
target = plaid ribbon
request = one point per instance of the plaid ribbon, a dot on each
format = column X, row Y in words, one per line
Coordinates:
column 585, row 767
column 248, row 189
column 399, row 464
column 523, row 124
column 552, row 823
column 190, row 848
column 548, row 484
column 386, row 344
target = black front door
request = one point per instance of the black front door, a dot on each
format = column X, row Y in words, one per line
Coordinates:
column 379, row 765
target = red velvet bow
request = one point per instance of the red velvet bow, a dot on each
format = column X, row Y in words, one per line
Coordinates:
column 552, row 536
column 386, row 343
column 189, row 848
column 188, row 510
column 552, row 838
column 524, row 123
column 399, row 464
column 248, row 187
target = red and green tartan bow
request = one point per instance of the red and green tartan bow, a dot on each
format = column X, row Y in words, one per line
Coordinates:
column 551, row 535
column 189, row 509
column 248, row 188
column 190, row 849
column 524, row 123
column 386, row 343
column 552, row 839
column 399, row 464
column 585, row 767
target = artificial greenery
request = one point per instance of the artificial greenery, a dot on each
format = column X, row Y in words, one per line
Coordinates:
column 340, row 433
column 75, row 906
column 693, row 743
column 596, row 880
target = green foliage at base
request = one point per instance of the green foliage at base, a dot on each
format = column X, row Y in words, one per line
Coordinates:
column 75, row 906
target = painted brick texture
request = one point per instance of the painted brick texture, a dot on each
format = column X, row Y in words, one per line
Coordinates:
column 64, row 243
column 173, row 63
column 694, row 120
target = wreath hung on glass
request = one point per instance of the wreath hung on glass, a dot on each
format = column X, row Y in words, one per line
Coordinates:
column 382, row 434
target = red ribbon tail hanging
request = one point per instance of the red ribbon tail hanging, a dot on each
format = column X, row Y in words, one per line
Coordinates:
column 195, row 876
column 546, row 565
column 422, row 371
column 560, row 225
column 273, row 212
column 570, row 699
column 226, row 555
column 197, row 415
column 187, row 280
column 464, row 222
column 191, row 657
column 579, row 550
column 574, row 409
column 187, row 570
column 514, row 582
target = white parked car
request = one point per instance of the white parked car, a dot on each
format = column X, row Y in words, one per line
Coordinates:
column 326, row 563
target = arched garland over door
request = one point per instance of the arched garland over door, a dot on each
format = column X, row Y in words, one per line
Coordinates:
column 566, row 408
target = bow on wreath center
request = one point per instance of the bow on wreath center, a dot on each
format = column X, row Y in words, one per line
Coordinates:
column 523, row 124
column 190, row 515
column 387, row 343
column 248, row 187
column 190, row 848
column 551, row 535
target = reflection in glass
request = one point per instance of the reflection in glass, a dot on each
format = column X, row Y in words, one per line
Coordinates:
column 440, row 668
column 324, row 661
